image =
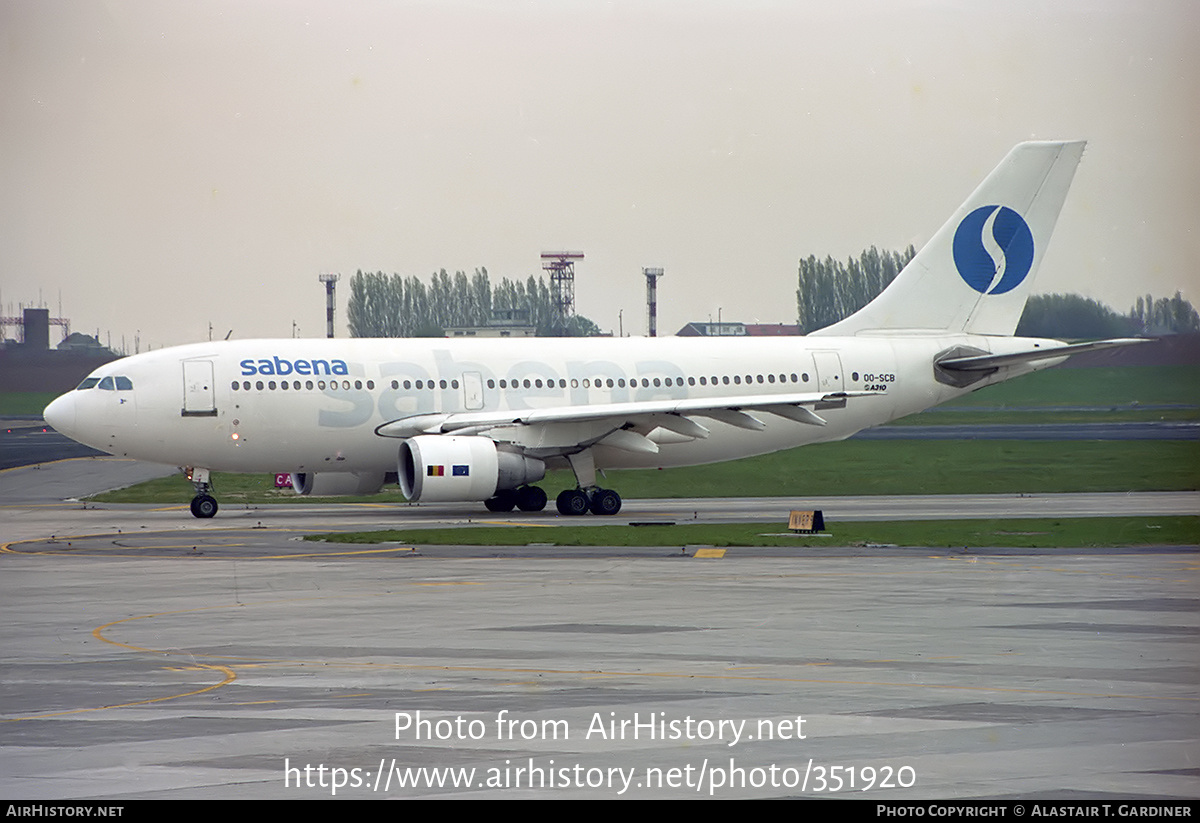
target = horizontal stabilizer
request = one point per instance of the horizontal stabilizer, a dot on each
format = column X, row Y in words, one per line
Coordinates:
column 985, row 362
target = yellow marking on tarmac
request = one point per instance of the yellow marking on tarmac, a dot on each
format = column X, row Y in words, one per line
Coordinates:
column 229, row 678
column 40, row 463
column 330, row 554
column 517, row 523
column 186, row 545
column 715, row 554
column 190, row 550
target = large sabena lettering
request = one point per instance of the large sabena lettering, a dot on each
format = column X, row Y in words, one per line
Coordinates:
column 281, row 366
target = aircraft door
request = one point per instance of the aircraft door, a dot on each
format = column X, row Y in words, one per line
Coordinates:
column 199, row 395
column 472, row 391
column 829, row 371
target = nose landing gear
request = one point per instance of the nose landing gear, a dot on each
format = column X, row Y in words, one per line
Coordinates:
column 204, row 505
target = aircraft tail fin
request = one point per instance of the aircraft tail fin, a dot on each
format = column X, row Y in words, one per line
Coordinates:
column 976, row 273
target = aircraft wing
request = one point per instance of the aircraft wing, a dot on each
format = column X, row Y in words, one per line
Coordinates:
column 984, row 362
column 670, row 414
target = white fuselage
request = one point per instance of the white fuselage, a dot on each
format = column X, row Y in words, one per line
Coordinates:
column 315, row 405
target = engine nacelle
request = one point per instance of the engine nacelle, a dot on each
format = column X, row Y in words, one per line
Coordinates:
column 337, row 483
column 445, row 468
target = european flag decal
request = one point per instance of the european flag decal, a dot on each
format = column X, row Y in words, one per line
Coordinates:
column 462, row 471
column 435, row 471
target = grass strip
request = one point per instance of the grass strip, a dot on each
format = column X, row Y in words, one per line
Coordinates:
column 1100, row 532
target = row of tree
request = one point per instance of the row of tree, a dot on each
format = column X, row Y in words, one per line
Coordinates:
column 1166, row 315
column 388, row 305
column 830, row 290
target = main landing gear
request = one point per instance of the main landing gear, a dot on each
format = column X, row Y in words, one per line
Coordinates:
column 204, row 505
column 574, row 502
column 571, row 503
column 526, row 498
column 588, row 497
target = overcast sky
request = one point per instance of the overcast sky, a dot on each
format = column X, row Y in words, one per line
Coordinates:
column 167, row 165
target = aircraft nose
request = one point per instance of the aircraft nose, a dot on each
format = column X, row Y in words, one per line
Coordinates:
column 60, row 414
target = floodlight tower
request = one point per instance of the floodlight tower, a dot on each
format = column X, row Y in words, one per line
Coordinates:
column 561, row 266
column 652, row 276
column 330, row 281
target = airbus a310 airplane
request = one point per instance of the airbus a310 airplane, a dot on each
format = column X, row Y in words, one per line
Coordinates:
column 482, row 420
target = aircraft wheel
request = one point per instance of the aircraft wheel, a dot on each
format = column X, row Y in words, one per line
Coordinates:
column 572, row 503
column 606, row 502
column 204, row 506
column 531, row 499
column 504, row 501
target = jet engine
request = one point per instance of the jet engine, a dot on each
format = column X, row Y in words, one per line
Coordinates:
column 446, row 468
column 337, row 483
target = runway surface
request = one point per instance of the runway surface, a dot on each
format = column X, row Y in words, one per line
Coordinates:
column 258, row 666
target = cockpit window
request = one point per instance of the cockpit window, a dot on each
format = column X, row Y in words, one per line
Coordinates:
column 106, row 384
column 124, row 384
column 88, row 383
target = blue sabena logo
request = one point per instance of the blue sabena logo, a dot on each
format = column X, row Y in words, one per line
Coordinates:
column 993, row 249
